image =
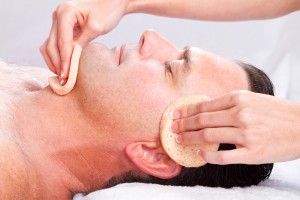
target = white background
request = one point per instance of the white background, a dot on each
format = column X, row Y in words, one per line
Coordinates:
column 273, row 45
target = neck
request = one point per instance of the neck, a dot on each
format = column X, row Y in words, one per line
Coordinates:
column 69, row 153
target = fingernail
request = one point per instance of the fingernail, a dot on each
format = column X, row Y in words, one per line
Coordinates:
column 175, row 114
column 174, row 127
column 62, row 75
column 199, row 152
column 179, row 139
column 62, row 81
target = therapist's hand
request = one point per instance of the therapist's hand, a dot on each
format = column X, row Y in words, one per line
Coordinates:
column 80, row 21
column 265, row 129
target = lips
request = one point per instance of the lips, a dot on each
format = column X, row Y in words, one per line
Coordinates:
column 119, row 51
column 117, row 54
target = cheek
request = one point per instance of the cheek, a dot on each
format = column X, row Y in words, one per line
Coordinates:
column 144, row 95
column 195, row 89
column 204, row 85
column 145, row 86
column 140, row 79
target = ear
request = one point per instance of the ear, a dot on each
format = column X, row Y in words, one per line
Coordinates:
column 151, row 158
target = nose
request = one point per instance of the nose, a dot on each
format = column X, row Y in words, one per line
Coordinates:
column 153, row 45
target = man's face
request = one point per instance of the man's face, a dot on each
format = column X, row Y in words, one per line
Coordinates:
column 132, row 85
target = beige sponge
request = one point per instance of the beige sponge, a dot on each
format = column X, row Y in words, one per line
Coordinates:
column 185, row 155
column 54, row 82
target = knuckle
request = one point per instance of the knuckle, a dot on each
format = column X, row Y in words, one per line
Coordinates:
column 95, row 27
column 205, row 156
column 240, row 97
column 62, row 8
column 61, row 43
column 245, row 117
column 180, row 125
column 199, row 120
column 185, row 111
column 42, row 49
column 50, row 52
column 221, row 159
column 48, row 49
column 251, row 138
column 206, row 135
column 54, row 14
column 185, row 125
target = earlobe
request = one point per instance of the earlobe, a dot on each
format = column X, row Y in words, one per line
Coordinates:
column 151, row 158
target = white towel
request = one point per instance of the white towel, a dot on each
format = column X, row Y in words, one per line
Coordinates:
column 284, row 183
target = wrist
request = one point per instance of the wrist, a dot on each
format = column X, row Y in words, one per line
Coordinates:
column 141, row 6
column 132, row 6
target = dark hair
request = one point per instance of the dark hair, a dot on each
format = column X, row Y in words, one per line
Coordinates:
column 259, row 82
column 211, row 175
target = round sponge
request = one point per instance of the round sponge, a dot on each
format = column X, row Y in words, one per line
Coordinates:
column 185, row 155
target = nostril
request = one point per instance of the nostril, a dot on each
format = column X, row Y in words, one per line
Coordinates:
column 141, row 43
column 146, row 46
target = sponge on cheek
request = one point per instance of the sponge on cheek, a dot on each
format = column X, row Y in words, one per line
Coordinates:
column 185, row 155
column 65, row 89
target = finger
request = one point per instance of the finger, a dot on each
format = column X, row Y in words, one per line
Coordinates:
column 221, row 103
column 47, row 58
column 51, row 48
column 211, row 135
column 235, row 156
column 66, row 22
column 204, row 120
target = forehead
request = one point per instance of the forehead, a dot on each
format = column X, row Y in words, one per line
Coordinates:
column 212, row 75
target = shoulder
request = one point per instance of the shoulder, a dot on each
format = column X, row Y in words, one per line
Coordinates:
column 18, row 78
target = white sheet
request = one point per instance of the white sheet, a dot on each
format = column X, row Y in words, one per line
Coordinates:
column 284, row 183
